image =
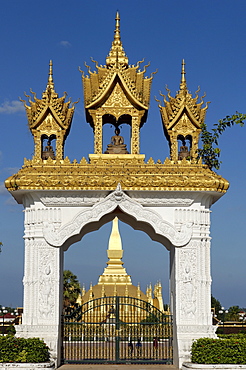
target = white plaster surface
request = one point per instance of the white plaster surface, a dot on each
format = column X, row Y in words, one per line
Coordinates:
column 178, row 220
column 192, row 366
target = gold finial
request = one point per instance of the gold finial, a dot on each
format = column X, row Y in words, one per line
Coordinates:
column 50, row 78
column 183, row 71
column 117, row 27
column 183, row 79
column 117, row 56
column 51, row 72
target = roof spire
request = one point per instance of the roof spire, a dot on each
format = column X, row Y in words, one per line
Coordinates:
column 50, row 78
column 117, row 27
column 183, row 79
column 117, row 56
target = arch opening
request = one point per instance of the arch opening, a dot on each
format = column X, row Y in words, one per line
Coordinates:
column 184, row 146
column 48, row 145
column 110, row 125
column 144, row 259
column 124, row 217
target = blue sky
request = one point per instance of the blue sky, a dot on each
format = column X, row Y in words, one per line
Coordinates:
column 210, row 35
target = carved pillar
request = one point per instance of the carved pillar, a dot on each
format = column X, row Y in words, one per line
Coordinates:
column 174, row 148
column 98, row 134
column 191, row 285
column 59, row 147
column 190, row 296
column 37, row 146
column 135, row 135
column 43, row 279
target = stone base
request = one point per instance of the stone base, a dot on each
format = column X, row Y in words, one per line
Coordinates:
column 192, row 366
column 27, row 366
column 48, row 333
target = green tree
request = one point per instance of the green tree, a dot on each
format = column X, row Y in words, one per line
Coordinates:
column 1, row 244
column 215, row 305
column 71, row 288
column 233, row 313
column 210, row 151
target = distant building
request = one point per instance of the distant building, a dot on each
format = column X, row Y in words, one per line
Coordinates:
column 115, row 280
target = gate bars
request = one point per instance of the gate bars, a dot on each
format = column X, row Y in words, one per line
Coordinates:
column 116, row 330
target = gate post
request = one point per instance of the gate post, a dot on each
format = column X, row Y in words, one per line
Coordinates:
column 190, row 291
column 43, row 279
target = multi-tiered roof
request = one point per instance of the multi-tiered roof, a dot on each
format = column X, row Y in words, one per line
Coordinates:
column 116, row 93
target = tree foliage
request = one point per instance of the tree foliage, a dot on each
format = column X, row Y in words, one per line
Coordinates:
column 215, row 304
column 233, row 313
column 210, row 152
column 71, row 288
column 1, row 244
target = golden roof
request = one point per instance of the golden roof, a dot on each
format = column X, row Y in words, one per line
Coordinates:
column 99, row 84
column 183, row 102
column 106, row 171
column 51, row 115
column 37, row 110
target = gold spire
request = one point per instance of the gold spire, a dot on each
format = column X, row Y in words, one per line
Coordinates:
column 115, row 272
column 117, row 57
column 50, row 92
column 50, row 78
column 183, row 79
column 115, row 240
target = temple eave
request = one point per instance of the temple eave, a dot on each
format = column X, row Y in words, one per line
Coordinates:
column 151, row 177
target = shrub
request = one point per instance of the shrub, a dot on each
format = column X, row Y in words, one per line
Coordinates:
column 23, row 350
column 219, row 351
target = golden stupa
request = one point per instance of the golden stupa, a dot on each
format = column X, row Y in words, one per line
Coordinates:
column 116, row 282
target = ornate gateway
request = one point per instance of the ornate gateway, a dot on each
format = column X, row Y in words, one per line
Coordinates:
column 169, row 200
column 117, row 330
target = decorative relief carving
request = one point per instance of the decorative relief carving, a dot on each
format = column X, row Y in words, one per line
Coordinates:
column 46, row 283
column 117, row 99
column 163, row 198
column 199, row 329
column 103, row 173
column 117, row 199
column 187, row 267
column 71, row 199
column 196, row 216
column 39, row 215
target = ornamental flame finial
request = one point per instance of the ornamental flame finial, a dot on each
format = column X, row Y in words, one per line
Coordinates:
column 183, row 85
column 50, row 78
column 117, row 57
column 117, row 27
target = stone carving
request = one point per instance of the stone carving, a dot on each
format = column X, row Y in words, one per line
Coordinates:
column 163, row 198
column 188, row 286
column 66, row 199
column 46, row 283
column 39, row 215
column 196, row 216
column 118, row 199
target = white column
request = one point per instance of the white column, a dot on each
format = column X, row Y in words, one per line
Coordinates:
column 190, row 289
column 43, row 278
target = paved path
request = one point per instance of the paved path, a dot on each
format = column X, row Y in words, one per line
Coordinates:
column 117, row 367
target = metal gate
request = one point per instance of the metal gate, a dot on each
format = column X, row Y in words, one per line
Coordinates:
column 116, row 330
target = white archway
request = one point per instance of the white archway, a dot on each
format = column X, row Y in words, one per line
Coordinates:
column 181, row 222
